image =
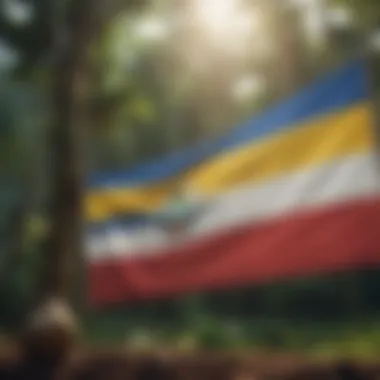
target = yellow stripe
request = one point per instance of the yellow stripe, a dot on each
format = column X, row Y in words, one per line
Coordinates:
column 103, row 204
column 321, row 141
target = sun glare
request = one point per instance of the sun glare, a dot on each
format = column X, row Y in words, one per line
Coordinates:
column 215, row 13
column 247, row 87
column 152, row 29
column 224, row 18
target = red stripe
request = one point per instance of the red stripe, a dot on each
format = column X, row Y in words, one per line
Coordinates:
column 342, row 238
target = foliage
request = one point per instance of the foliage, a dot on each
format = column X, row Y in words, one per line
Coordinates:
column 322, row 339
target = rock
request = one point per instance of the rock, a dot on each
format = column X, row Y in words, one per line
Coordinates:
column 50, row 331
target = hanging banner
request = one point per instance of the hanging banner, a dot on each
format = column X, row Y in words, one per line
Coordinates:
column 294, row 191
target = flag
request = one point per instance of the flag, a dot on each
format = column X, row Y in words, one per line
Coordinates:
column 291, row 192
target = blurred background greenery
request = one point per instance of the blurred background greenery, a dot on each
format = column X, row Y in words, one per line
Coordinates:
column 166, row 74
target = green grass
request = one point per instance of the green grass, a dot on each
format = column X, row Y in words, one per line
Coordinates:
column 328, row 339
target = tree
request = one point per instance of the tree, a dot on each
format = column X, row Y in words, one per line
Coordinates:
column 51, row 325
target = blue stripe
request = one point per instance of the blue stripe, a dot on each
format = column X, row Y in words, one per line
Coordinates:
column 338, row 90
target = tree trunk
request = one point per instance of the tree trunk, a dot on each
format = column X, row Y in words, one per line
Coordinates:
column 67, row 148
column 51, row 325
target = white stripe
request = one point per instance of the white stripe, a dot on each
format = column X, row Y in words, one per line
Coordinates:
column 345, row 180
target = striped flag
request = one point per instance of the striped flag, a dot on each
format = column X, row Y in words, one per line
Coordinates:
column 294, row 191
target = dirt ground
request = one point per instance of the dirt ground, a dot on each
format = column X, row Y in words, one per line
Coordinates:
column 119, row 364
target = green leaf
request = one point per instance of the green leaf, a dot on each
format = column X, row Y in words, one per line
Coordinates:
column 142, row 110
